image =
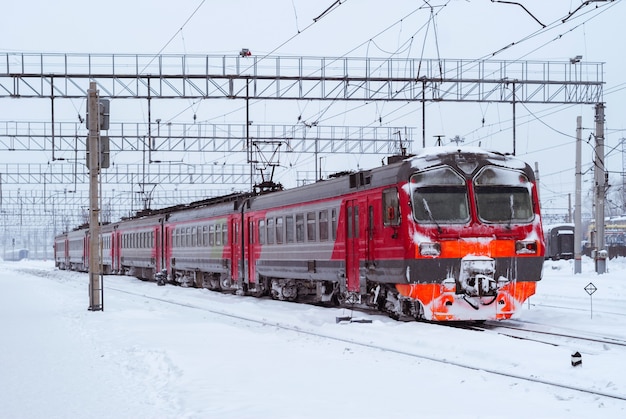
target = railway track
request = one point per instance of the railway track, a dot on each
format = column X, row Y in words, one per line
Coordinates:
column 539, row 333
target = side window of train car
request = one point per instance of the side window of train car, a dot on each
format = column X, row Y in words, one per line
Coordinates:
column 323, row 217
column 289, row 229
column 218, row 234
column 333, row 224
column 205, row 235
column 310, row 227
column 300, row 228
column 194, row 236
column 211, row 235
column 391, row 207
column 261, row 231
column 279, row 230
column 224, row 234
column 270, row 231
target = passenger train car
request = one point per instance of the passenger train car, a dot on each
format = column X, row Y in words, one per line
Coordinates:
column 559, row 241
column 447, row 234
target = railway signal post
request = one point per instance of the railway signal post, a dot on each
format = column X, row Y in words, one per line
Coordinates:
column 93, row 163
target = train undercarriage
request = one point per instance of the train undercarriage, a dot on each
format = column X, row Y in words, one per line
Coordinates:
column 476, row 290
column 380, row 297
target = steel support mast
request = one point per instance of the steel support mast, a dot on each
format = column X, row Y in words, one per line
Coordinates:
column 95, row 276
column 601, row 254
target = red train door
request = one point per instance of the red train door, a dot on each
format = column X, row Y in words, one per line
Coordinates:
column 352, row 245
column 158, row 246
column 235, row 248
column 248, row 243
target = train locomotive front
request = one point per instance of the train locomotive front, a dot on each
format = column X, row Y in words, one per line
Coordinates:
column 473, row 236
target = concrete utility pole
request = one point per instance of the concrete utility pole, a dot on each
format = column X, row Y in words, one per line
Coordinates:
column 600, row 184
column 93, row 142
column 577, row 199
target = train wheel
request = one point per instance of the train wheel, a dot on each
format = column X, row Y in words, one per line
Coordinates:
column 284, row 290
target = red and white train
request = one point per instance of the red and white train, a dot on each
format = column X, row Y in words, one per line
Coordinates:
column 447, row 234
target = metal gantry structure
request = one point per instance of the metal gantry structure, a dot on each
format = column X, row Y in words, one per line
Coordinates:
column 56, row 78
column 123, row 76
column 63, row 138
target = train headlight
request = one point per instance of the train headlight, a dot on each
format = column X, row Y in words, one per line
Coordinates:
column 525, row 247
column 430, row 249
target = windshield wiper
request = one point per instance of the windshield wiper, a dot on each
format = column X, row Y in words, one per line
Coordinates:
column 430, row 214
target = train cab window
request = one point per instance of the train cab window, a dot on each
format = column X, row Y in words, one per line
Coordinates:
column 261, row 231
column 503, row 196
column 279, row 230
column 299, row 228
column 439, row 196
column 391, row 207
column 289, row 229
column 323, row 217
column 310, row 227
column 333, row 224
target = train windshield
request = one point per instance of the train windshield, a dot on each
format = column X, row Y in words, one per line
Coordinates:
column 503, row 196
column 439, row 196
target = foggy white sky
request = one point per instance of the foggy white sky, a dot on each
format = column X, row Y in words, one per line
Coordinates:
column 355, row 28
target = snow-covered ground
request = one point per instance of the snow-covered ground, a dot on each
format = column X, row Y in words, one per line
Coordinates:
column 170, row 352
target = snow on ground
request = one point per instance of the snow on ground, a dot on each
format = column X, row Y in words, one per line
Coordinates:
column 144, row 357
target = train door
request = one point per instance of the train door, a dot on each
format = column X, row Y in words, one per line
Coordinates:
column 370, row 232
column 158, row 246
column 353, row 237
column 168, row 248
column 234, row 248
column 248, row 251
column 114, row 252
